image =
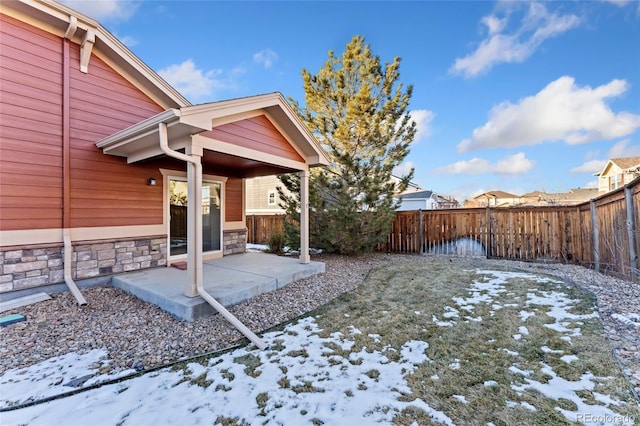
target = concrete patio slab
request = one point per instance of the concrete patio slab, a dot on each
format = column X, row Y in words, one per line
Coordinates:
column 230, row 280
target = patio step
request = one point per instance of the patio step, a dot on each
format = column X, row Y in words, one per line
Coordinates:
column 230, row 280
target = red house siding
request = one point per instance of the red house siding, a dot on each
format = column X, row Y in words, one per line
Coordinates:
column 255, row 133
column 30, row 127
column 104, row 190
column 233, row 206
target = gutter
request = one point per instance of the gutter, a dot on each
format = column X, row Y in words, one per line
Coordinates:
column 73, row 288
column 194, row 261
column 66, row 162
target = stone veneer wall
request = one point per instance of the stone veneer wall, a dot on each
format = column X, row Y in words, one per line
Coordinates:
column 235, row 241
column 34, row 267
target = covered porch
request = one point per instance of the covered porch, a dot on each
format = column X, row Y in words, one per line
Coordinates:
column 234, row 139
column 230, row 280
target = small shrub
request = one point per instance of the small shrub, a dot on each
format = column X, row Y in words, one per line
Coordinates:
column 275, row 242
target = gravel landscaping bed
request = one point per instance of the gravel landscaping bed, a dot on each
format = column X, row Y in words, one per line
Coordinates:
column 139, row 335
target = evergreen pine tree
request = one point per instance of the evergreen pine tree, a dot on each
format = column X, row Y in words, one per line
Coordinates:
column 357, row 110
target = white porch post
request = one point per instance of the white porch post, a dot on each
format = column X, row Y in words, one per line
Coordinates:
column 304, row 217
column 194, row 222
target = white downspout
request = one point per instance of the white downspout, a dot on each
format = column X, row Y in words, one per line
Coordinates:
column 164, row 146
column 66, row 233
column 68, row 249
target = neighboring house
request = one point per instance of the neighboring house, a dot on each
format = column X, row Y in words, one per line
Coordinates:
column 573, row 196
column 101, row 159
column 447, row 202
column 417, row 200
column 262, row 195
column 617, row 172
column 494, row 199
column 411, row 187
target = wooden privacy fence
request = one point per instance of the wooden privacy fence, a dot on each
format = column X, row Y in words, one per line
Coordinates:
column 261, row 227
column 603, row 234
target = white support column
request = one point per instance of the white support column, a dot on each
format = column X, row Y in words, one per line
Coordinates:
column 194, row 223
column 304, row 217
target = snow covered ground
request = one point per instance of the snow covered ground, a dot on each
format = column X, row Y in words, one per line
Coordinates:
column 297, row 380
column 301, row 378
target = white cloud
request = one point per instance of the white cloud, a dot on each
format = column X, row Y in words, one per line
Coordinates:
column 494, row 24
column 623, row 149
column 591, row 184
column 197, row 84
column 104, row 10
column 403, row 169
column 128, row 41
column 591, row 166
column 514, row 164
column 423, row 119
column 560, row 111
column 620, row 150
column 537, row 26
column 620, row 3
column 265, row 57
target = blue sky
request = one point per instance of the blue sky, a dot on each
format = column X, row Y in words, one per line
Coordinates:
column 512, row 96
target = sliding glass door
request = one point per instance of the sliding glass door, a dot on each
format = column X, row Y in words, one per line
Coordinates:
column 210, row 205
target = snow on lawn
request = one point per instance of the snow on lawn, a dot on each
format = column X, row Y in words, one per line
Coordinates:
column 300, row 378
column 557, row 305
column 557, row 388
column 55, row 376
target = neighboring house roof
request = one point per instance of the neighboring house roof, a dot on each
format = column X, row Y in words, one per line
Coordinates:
column 583, row 193
column 417, row 195
column 497, row 194
column 95, row 39
column 573, row 196
column 446, row 199
column 410, row 187
column 625, row 163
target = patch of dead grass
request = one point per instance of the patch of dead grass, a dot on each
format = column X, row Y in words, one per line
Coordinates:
column 473, row 358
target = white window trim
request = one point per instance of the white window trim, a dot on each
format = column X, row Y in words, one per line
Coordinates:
column 168, row 175
column 269, row 193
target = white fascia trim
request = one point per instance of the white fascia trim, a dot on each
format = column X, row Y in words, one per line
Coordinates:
column 220, row 109
column 251, row 154
column 323, row 157
column 117, row 46
column 64, row 14
column 284, row 134
column 138, row 130
column 55, row 235
column 181, row 174
column 218, row 113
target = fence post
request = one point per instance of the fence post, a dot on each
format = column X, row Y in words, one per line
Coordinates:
column 488, row 243
column 633, row 258
column 596, row 239
column 421, row 231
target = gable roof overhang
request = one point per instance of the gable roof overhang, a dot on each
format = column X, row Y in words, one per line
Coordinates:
column 605, row 169
column 93, row 38
column 186, row 128
column 626, row 165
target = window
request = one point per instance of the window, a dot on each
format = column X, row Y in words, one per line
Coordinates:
column 271, row 198
column 615, row 182
column 211, row 216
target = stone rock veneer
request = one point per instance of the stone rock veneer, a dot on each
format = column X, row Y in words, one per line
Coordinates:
column 235, row 241
column 33, row 267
